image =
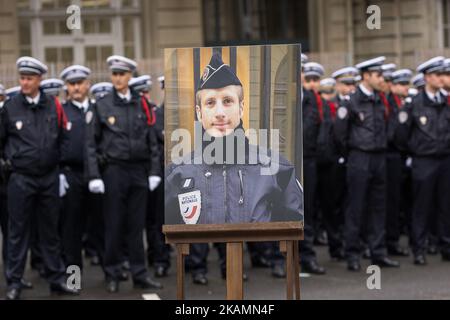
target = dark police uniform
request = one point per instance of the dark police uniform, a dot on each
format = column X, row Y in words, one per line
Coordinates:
column 361, row 127
column 425, row 129
column 30, row 137
column 395, row 162
column 327, row 171
column 311, row 126
column 118, row 133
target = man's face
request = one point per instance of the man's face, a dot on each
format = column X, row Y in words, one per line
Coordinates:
column 434, row 80
column 120, row 80
column 78, row 91
column 220, row 111
column 446, row 81
column 344, row 89
column 328, row 96
column 375, row 80
column 2, row 98
column 312, row 83
column 400, row 89
column 29, row 84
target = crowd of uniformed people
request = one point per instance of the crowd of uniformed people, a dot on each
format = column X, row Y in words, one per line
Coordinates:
column 82, row 172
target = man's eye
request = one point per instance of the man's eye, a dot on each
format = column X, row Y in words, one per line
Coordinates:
column 227, row 101
column 209, row 102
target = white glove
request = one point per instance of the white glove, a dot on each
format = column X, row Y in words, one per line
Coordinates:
column 96, row 186
column 153, row 182
column 63, row 185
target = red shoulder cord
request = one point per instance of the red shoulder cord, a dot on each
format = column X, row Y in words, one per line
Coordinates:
column 319, row 105
column 62, row 119
column 332, row 109
column 448, row 99
column 397, row 101
column 386, row 105
column 151, row 117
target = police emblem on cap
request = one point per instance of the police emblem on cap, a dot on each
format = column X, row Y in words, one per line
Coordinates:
column 423, row 120
column 190, row 206
column 19, row 125
column 205, row 74
column 112, row 120
column 69, row 126
column 89, row 116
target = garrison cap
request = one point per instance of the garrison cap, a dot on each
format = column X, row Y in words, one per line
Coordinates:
column 218, row 75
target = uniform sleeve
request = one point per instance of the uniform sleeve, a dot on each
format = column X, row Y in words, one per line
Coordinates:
column 311, row 120
column 93, row 133
column 155, row 166
column 171, row 207
column 3, row 132
column 342, row 124
column 290, row 206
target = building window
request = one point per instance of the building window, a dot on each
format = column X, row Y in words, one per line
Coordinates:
column 446, row 18
column 55, row 4
column 97, row 53
column 128, row 37
column 100, row 26
column 55, row 27
column 59, row 54
column 25, row 38
column 95, row 4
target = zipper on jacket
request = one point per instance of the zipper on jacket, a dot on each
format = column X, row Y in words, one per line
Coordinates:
column 224, row 173
column 241, row 184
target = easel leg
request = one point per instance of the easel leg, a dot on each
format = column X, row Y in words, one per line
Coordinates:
column 296, row 271
column 182, row 250
column 235, row 289
column 286, row 247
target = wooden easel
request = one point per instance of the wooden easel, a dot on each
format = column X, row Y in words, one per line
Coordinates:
column 234, row 235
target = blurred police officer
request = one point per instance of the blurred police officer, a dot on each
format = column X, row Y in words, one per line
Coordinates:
column 329, row 185
column 73, row 186
column 395, row 161
column 52, row 88
column 360, row 126
column 424, row 128
column 311, row 126
column 31, row 129
column 122, row 163
column 157, row 249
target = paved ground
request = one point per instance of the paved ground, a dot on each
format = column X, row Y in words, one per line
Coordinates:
column 408, row 282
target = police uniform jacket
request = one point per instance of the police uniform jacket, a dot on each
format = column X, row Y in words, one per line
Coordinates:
column 118, row 132
column 426, row 131
column 233, row 193
column 30, row 134
column 360, row 123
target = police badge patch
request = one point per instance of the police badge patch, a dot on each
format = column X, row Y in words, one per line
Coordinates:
column 342, row 113
column 423, row 120
column 89, row 116
column 205, row 74
column 19, row 125
column 112, row 120
column 361, row 116
column 190, row 206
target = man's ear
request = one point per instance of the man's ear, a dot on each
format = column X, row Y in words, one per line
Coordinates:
column 241, row 109
column 198, row 110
